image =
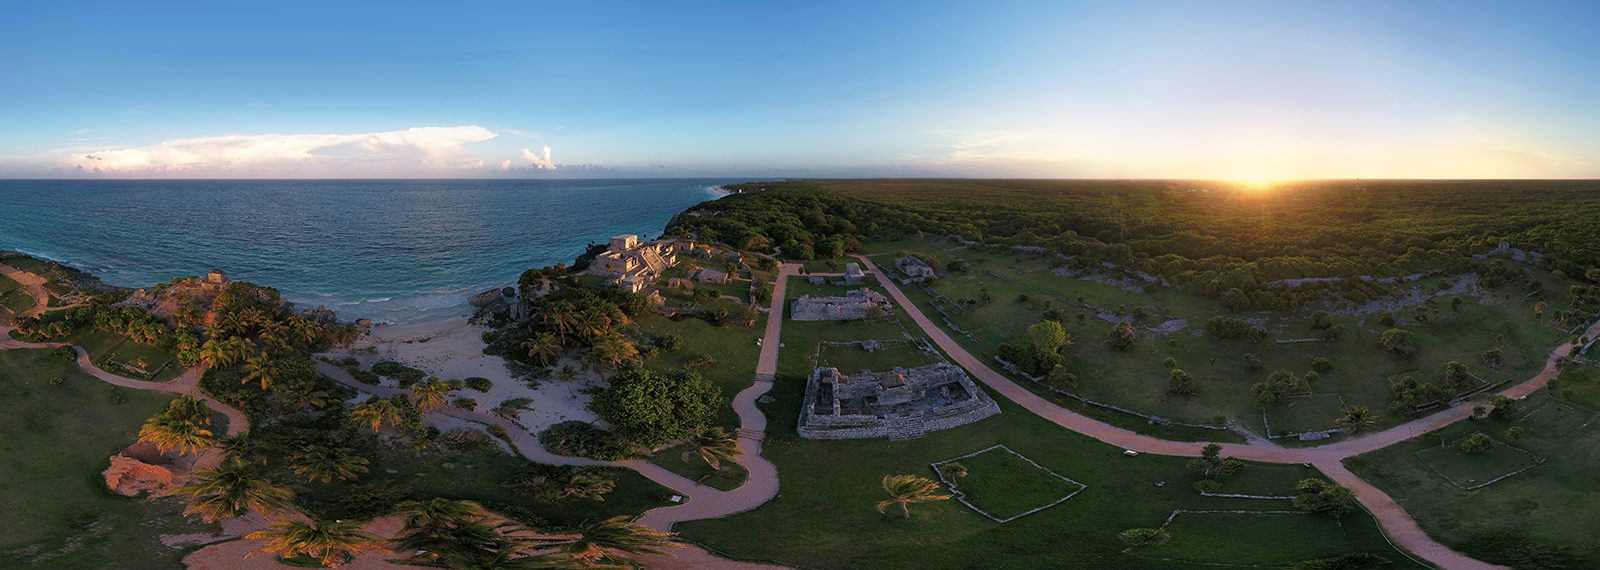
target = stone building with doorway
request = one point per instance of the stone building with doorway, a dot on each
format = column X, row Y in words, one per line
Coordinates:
column 903, row 403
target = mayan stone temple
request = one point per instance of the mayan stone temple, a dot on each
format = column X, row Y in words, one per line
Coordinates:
column 903, row 403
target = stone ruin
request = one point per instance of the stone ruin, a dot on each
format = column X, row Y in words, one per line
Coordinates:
column 903, row 403
column 857, row 304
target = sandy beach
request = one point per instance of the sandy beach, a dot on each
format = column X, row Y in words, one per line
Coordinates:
column 453, row 349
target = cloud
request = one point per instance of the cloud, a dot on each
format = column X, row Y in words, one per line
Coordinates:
column 419, row 150
column 539, row 161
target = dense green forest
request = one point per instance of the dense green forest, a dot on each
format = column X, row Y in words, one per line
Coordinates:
column 1219, row 239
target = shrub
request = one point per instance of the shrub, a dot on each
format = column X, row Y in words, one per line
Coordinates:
column 57, row 380
column 467, row 404
column 652, row 408
column 1477, row 444
column 1121, row 337
column 479, row 383
column 699, row 362
column 1321, row 364
column 1320, row 496
column 1060, row 379
column 1223, row 328
column 1144, row 536
column 1504, row 408
column 1252, row 363
column 365, row 377
column 581, row 439
column 1182, row 383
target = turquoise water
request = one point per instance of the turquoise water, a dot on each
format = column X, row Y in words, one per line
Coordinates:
column 388, row 250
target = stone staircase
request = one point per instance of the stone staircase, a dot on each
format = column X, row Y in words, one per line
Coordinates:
column 768, row 378
column 907, row 428
column 756, row 435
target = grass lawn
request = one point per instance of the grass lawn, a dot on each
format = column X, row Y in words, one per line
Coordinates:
column 1021, row 287
column 891, row 353
column 482, row 476
column 1466, row 470
column 55, row 511
column 1003, row 485
column 1267, row 480
column 14, row 298
column 696, row 469
column 1311, row 413
column 1253, row 538
column 732, row 346
column 103, row 347
column 830, row 487
column 1553, row 504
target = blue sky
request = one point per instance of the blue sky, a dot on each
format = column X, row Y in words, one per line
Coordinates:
column 1046, row 89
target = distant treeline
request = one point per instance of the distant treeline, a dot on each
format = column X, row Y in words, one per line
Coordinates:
column 1218, row 239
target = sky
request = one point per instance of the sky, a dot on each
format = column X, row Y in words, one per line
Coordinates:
column 1058, row 89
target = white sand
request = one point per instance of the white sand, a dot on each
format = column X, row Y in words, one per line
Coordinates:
column 453, row 349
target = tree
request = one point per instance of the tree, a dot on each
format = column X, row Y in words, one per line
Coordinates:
column 581, row 486
column 714, row 446
column 260, row 368
column 1182, row 383
column 614, row 352
column 218, row 353
column 1320, row 496
column 439, row 513
column 1211, row 464
column 906, row 489
column 599, row 541
column 1456, row 373
column 1276, row 389
column 1047, row 337
column 568, row 374
column 1477, row 444
column 651, row 408
column 333, row 543
column 180, row 426
column 431, row 395
column 1399, row 341
column 1514, row 433
column 326, row 464
column 1122, row 337
column 1504, row 408
column 230, row 490
column 1356, row 419
column 1493, row 358
column 377, row 412
column 1144, row 536
column 544, row 348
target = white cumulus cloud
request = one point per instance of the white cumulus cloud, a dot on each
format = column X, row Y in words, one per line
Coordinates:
column 539, row 161
column 419, row 150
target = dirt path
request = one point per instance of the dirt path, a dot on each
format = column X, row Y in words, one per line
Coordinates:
column 1395, row 521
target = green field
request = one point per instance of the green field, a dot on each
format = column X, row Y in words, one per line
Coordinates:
column 1239, row 539
column 14, row 298
column 1311, row 413
column 830, row 487
column 106, row 348
column 891, row 353
column 732, row 346
column 695, row 469
column 1004, row 485
column 1552, row 504
column 55, row 511
column 1021, row 287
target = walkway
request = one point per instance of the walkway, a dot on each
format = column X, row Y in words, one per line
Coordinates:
column 1329, row 459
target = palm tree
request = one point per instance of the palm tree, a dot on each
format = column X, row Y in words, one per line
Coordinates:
column 230, row 490
column 714, row 446
column 568, row 375
column 440, row 513
column 592, row 322
column 260, row 368
column 431, row 395
column 169, row 433
column 215, row 354
column 543, row 348
column 587, row 487
column 376, row 412
column 598, row 540
column 559, row 316
column 327, row 464
column 189, row 408
column 614, row 351
column 1357, row 419
column 333, row 543
column 466, row 544
column 907, row 489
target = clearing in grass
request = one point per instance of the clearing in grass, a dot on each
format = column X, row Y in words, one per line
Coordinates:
column 1473, row 470
column 1239, row 538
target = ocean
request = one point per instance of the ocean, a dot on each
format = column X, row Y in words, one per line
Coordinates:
column 387, row 250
